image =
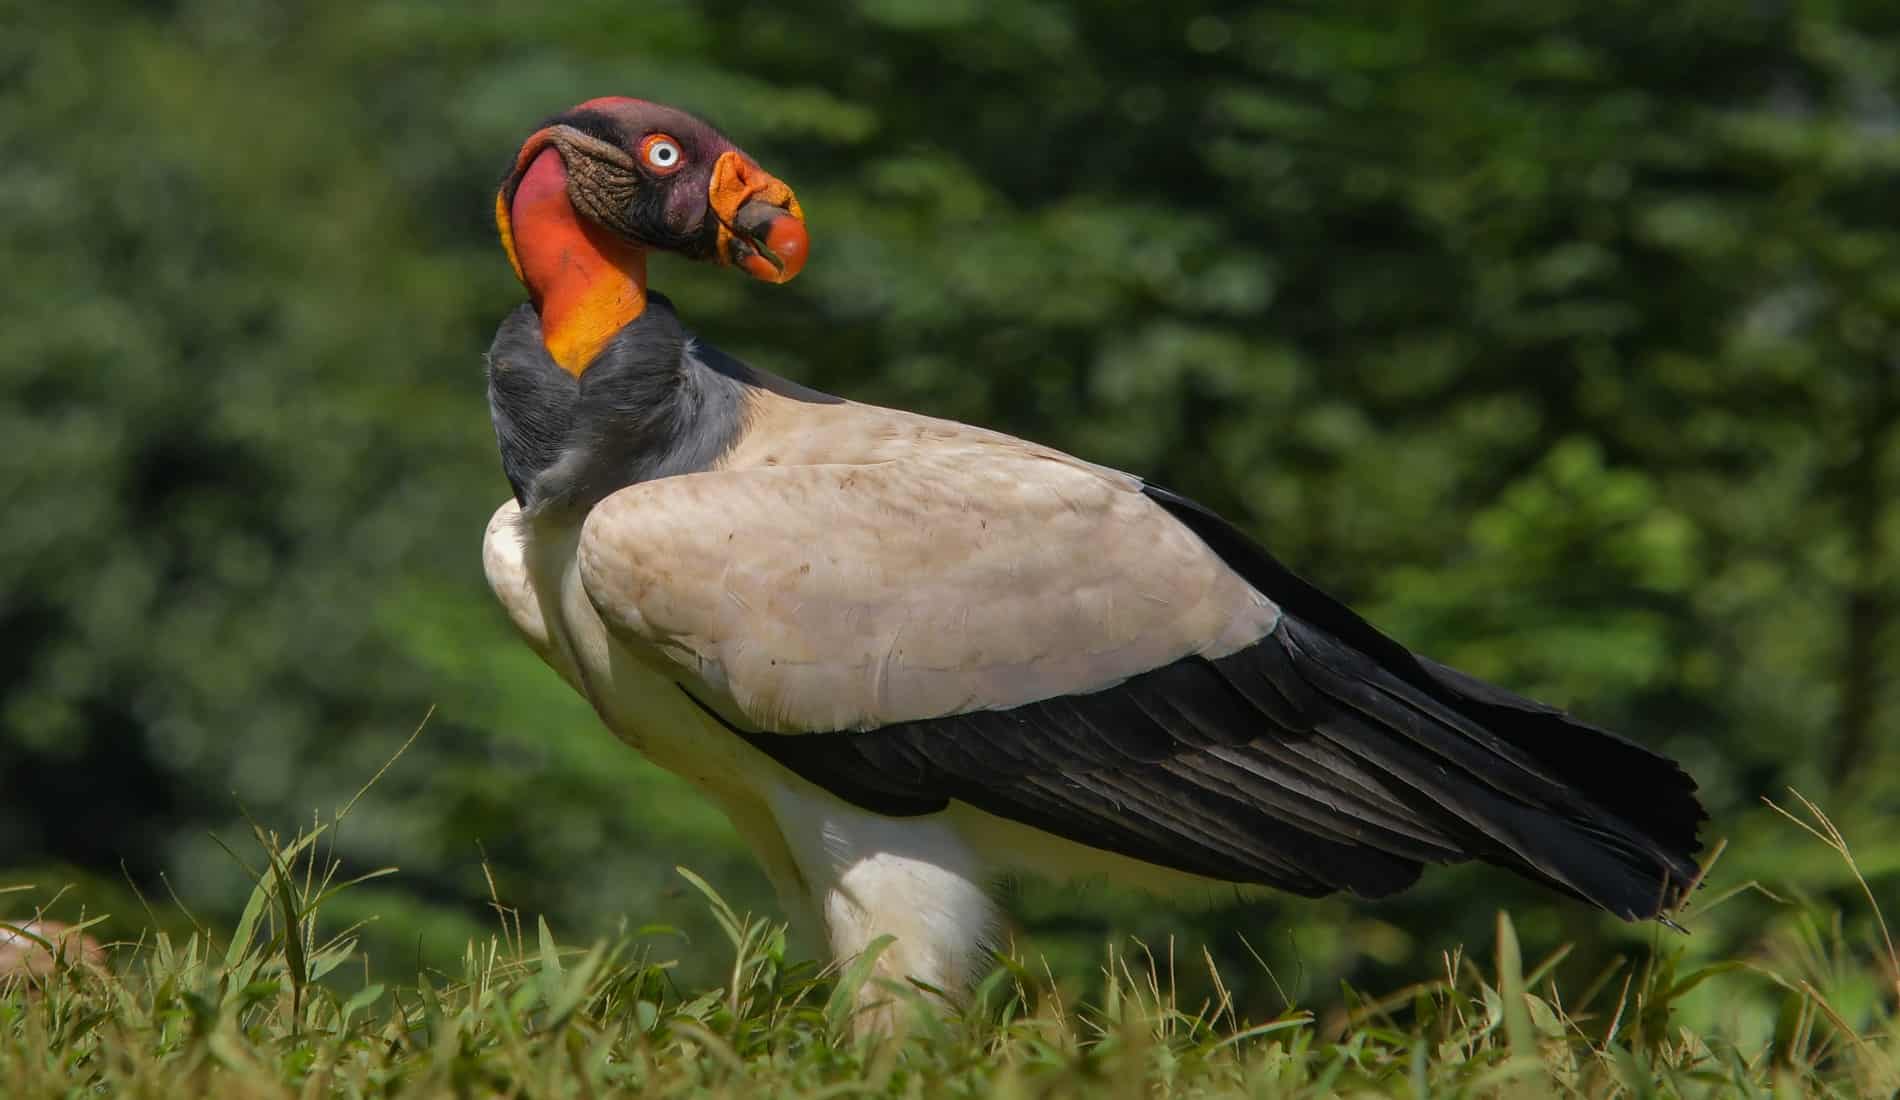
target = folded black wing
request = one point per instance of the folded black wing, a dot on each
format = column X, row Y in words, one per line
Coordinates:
column 1323, row 757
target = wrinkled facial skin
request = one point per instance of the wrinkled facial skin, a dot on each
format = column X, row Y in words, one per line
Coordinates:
column 660, row 178
column 597, row 188
column 662, row 209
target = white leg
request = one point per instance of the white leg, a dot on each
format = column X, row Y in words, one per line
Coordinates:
column 753, row 821
column 914, row 879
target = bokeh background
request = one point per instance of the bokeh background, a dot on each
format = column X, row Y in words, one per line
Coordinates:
column 1562, row 338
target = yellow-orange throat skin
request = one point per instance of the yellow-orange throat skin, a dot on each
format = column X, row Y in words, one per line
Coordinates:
column 587, row 284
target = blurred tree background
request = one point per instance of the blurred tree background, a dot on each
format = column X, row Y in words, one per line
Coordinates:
column 1561, row 337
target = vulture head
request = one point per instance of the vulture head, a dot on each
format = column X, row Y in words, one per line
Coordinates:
column 598, row 187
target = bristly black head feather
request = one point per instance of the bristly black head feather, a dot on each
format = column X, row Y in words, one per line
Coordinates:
column 666, row 211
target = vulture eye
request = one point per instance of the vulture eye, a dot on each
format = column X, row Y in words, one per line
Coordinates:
column 661, row 153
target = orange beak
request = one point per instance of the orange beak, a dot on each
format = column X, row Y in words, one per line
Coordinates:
column 761, row 228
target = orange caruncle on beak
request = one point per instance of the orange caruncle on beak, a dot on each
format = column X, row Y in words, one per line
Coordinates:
column 761, row 227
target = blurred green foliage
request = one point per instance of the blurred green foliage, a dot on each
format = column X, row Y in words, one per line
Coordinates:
column 1563, row 338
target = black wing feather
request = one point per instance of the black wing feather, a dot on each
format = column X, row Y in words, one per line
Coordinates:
column 1645, row 789
column 1323, row 757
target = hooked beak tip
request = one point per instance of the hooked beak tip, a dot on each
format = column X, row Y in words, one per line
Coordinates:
column 761, row 229
column 774, row 243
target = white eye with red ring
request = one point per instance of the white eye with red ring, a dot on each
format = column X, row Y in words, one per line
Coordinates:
column 661, row 153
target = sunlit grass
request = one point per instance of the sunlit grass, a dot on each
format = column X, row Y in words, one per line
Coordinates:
column 281, row 1005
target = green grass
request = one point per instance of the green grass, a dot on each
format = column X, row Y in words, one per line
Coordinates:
column 282, row 1006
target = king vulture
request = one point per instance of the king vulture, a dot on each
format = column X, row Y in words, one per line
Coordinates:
column 908, row 656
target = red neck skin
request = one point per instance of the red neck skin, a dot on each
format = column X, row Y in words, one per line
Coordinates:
column 587, row 284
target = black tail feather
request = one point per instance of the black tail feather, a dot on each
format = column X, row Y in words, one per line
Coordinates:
column 1568, row 803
